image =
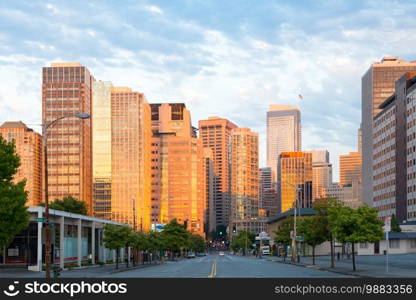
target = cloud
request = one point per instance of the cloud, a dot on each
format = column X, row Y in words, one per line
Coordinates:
column 230, row 63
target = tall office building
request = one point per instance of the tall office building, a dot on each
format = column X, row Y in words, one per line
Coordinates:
column 321, row 173
column 215, row 133
column 67, row 90
column 394, row 158
column 269, row 204
column 295, row 174
column 377, row 85
column 29, row 147
column 349, row 168
column 210, row 224
column 178, row 174
column 245, row 181
column 130, row 158
column 101, row 148
column 283, row 133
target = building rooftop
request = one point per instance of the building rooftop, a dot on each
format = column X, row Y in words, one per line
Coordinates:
column 290, row 212
column 13, row 124
column 66, row 64
column 281, row 107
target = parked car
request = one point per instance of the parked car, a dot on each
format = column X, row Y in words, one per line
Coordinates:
column 221, row 253
column 191, row 255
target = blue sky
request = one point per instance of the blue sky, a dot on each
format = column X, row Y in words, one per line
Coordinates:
column 225, row 58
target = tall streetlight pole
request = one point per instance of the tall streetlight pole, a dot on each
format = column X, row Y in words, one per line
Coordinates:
column 45, row 127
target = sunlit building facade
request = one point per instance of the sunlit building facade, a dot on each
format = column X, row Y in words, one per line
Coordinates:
column 178, row 183
column 321, row 173
column 29, row 147
column 130, row 158
column 378, row 83
column 349, row 168
column 245, row 181
column 295, row 174
column 283, row 133
column 215, row 133
column 101, row 148
column 67, row 90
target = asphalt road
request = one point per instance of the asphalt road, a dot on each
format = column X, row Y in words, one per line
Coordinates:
column 215, row 266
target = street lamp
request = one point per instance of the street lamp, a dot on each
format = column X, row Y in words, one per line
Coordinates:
column 45, row 128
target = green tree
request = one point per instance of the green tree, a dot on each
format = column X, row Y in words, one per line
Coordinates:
column 243, row 240
column 69, row 204
column 197, row 243
column 395, row 227
column 322, row 207
column 175, row 237
column 116, row 237
column 313, row 231
column 14, row 216
column 355, row 226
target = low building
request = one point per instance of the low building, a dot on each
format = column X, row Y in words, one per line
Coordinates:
column 82, row 242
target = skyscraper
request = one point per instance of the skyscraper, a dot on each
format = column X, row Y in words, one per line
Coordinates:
column 350, row 168
column 215, row 134
column 269, row 204
column 210, row 225
column 101, row 145
column 295, row 174
column 130, row 158
column 245, row 181
column 29, row 147
column 66, row 90
column 377, row 85
column 178, row 176
column 321, row 173
column 283, row 133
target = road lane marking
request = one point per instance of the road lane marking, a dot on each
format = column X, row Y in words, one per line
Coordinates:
column 213, row 270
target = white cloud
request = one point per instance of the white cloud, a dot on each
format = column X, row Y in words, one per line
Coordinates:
column 153, row 9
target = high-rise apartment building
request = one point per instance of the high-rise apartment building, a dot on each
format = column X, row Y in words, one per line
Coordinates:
column 67, row 90
column 178, row 176
column 349, row 168
column 321, row 173
column 269, row 204
column 295, row 175
column 210, row 224
column 101, row 148
column 245, row 181
column 215, row 133
column 283, row 133
column 349, row 195
column 377, row 85
column 130, row 158
column 29, row 147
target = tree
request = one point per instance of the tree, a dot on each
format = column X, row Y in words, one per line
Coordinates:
column 14, row 216
column 116, row 237
column 355, row 226
column 395, row 227
column 197, row 243
column 243, row 240
column 313, row 231
column 69, row 204
column 175, row 236
column 322, row 207
column 282, row 234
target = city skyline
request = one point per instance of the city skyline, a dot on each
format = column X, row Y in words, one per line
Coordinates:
column 194, row 60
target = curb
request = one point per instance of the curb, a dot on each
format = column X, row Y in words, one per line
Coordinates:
column 133, row 268
column 324, row 269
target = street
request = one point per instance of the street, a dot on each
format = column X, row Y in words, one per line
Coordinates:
column 215, row 266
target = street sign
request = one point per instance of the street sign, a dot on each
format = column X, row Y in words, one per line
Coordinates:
column 387, row 224
column 299, row 239
column 40, row 220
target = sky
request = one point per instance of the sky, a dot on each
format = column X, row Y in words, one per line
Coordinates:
column 222, row 58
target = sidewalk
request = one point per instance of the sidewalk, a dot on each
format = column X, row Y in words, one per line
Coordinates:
column 400, row 265
column 77, row 272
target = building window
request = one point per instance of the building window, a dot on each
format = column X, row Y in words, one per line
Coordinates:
column 413, row 243
column 394, row 244
column 364, row 245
